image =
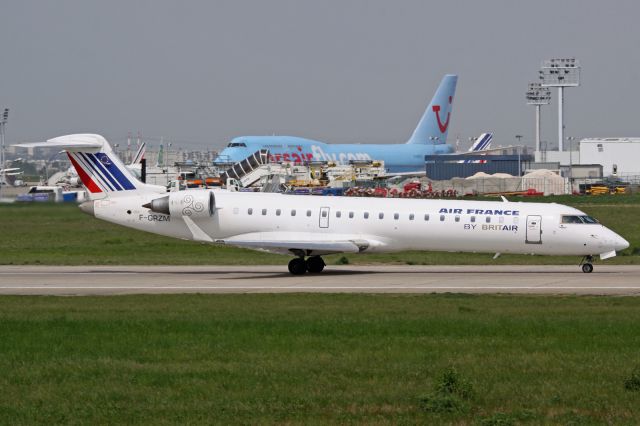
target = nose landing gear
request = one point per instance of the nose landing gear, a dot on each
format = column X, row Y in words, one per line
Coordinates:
column 298, row 266
column 587, row 266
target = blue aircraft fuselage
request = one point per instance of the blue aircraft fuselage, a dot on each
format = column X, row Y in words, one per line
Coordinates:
column 428, row 138
column 397, row 157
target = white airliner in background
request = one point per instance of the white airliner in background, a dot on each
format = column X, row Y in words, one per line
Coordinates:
column 308, row 227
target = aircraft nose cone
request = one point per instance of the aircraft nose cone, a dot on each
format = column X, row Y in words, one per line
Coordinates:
column 87, row 207
column 621, row 243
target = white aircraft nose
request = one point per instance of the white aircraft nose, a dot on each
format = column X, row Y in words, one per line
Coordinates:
column 620, row 243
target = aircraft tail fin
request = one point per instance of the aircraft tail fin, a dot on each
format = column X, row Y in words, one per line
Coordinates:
column 99, row 168
column 482, row 143
column 139, row 154
column 434, row 124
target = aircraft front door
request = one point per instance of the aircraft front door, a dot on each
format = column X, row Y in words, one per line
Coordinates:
column 534, row 230
column 324, row 217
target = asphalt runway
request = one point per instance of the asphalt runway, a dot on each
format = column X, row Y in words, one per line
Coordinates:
column 110, row 280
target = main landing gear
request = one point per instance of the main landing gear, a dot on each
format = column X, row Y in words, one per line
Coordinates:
column 587, row 266
column 298, row 266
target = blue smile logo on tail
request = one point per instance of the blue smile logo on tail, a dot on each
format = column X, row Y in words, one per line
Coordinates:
column 432, row 129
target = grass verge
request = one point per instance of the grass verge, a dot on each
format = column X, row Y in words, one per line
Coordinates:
column 317, row 359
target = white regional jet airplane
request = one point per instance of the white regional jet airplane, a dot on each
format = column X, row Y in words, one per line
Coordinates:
column 308, row 227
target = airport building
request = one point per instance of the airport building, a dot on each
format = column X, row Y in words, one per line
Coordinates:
column 618, row 156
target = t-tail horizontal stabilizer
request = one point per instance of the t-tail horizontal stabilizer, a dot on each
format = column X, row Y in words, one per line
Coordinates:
column 99, row 168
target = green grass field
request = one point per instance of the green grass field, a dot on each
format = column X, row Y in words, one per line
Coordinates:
column 319, row 359
column 62, row 235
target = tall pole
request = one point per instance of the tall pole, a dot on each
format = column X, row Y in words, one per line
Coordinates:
column 571, row 139
column 2, row 173
column 560, row 73
column 537, row 128
column 3, row 123
column 537, row 96
column 560, row 118
column 571, row 163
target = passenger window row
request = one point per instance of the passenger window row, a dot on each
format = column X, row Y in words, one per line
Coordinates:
column 396, row 216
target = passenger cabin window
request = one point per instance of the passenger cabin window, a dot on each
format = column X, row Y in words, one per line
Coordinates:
column 411, row 216
column 426, row 217
column 338, row 214
column 380, row 215
column 396, row 216
column 457, row 219
column 366, row 215
column 473, row 219
column 488, row 219
column 441, row 218
column 350, row 215
column 249, row 211
column 293, row 212
column 309, row 213
column 323, row 213
column 278, row 211
column 264, row 212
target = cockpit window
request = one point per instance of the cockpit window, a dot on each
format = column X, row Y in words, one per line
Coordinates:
column 579, row 219
column 571, row 219
column 237, row 144
column 589, row 219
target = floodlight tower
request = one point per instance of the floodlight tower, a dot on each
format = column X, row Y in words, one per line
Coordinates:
column 560, row 73
column 538, row 96
column 3, row 123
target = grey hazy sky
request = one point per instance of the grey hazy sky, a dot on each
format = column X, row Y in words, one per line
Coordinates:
column 338, row 71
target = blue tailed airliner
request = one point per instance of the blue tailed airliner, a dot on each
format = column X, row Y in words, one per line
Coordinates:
column 428, row 138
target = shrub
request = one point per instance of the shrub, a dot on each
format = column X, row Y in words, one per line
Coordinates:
column 632, row 383
column 450, row 395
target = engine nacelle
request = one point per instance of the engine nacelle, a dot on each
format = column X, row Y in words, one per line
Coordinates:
column 194, row 204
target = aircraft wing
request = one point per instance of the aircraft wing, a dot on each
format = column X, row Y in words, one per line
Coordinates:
column 398, row 175
column 283, row 243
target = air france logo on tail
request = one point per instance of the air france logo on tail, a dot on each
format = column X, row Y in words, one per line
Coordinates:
column 98, row 172
column 436, row 110
column 105, row 160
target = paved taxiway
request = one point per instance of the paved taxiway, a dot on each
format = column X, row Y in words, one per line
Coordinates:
column 103, row 280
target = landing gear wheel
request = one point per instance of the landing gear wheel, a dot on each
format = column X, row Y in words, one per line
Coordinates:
column 315, row 264
column 297, row 266
column 587, row 268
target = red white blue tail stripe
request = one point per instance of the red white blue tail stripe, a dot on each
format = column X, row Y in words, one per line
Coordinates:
column 139, row 154
column 100, row 173
column 482, row 143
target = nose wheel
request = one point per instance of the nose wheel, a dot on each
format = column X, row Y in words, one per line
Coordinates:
column 587, row 266
column 299, row 266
